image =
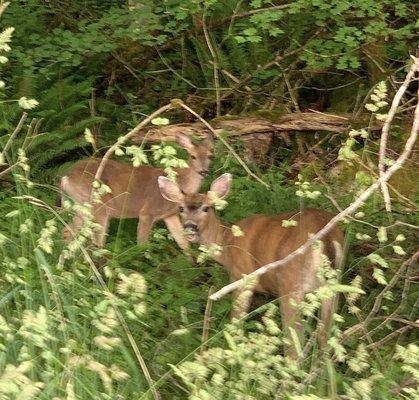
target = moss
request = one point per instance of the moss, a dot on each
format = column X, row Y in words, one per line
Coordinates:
column 226, row 117
column 405, row 180
column 271, row 115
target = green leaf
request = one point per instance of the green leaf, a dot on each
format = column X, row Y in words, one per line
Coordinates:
column 256, row 3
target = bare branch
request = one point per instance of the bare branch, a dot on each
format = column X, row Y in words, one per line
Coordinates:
column 390, row 285
column 390, row 336
column 279, row 57
column 15, row 132
column 216, row 134
column 215, row 66
column 386, row 128
column 377, row 303
column 126, row 137
column 260, row 10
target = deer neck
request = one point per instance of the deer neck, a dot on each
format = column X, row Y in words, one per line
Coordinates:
column 189, row 180
column 216, row 232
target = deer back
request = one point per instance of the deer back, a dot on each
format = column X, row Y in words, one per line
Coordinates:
column 134, row 190
column 265, row 240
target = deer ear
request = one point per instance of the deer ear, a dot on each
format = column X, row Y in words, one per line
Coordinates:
column 170, row 190
column 221, row 186
column 184, row 141
column 208, row 142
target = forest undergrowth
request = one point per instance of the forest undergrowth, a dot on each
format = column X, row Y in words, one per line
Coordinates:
column 135, row 321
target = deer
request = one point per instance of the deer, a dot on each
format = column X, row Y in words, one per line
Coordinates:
column 264, row 240
column 135, row 192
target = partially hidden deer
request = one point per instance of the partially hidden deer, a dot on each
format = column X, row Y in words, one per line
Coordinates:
column 135, row 192
column 265, row 240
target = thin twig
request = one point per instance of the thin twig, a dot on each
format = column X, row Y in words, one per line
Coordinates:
column 391, row 284
column 403, row 299
column 261, row 10
column 385, row 339
column 382, row 70
column 217, row 135
column 377, row 303
column 126, row 137
column 232, row 18
column 15, row 132
column 207, row 320
column 5, row 171
column 291, row 92
column 279, row 57
column 205, row 332
column 386, row 128
column 92, row 106
column 215, row 66
column 33, row 130
column 357, row 112
column 234, row 79
column 329, row 115
column 339, row 217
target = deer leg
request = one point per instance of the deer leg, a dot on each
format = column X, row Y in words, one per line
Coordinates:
column 73, row 227
column 145, row 225
column 291, row 322
column 99, row 237
column 176, row 229
column 326, row 313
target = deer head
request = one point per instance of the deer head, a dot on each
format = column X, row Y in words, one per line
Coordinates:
column 200, row 155
column 195, row 210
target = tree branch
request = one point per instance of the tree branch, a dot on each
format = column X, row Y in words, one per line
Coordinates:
column 386, row 127
column 15, row 132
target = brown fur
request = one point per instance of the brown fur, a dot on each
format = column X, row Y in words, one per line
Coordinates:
column 265, row 240
column 135, row 192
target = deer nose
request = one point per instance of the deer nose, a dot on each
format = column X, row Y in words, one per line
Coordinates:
column 191, row 225
column 204, row 172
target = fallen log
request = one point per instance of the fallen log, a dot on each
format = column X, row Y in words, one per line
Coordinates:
column 255, row 132
column 305, row 121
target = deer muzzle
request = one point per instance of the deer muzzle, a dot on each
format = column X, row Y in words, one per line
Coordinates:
column 191, row 231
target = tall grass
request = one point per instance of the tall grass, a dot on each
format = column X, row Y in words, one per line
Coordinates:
column 67, row 333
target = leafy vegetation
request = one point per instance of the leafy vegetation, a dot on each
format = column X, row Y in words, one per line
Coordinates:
column 135, row 322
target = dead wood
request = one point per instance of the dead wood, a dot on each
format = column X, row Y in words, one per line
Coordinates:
column 256, row 133
column 243, row 126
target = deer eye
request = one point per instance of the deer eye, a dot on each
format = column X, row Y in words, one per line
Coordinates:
column 193, row 157
column 181, row 209
column 205, row 209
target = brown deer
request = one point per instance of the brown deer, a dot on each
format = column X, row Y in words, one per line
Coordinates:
column 135, row 191
column 265, row 240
